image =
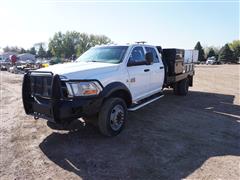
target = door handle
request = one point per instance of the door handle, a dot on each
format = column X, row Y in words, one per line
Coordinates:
column 146, row 70
column 161, row 67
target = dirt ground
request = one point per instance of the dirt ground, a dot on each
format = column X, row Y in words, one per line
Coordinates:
column 192, row 137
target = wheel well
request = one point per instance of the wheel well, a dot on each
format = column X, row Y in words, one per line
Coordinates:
column 124, row 95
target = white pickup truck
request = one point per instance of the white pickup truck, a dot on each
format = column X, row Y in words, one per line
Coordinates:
column 105, row 83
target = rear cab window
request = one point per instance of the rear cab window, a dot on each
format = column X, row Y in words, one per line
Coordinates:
column 155, row 55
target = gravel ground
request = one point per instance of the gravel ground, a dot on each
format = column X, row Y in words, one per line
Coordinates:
column 192, row 137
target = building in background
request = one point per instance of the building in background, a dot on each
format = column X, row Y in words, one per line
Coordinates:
column 6, row 55
column 26, row 57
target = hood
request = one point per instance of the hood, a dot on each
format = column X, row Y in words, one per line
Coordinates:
column 81, row 70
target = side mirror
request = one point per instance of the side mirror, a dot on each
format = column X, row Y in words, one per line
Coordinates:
column 149, row 57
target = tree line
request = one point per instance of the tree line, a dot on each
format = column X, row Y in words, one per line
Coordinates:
column 230, row 52
column 63, row 45
column 72, row 44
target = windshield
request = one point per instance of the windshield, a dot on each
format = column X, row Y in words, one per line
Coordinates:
column 110, row 54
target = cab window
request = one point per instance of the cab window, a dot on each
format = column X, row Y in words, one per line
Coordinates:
column 155, row 56
column 137, row 56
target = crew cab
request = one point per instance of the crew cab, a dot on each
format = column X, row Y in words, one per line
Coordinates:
column 104, row 83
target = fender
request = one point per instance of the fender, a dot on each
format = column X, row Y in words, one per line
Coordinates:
column 113, row 87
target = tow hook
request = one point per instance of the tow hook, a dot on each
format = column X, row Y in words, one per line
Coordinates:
column 36, row 116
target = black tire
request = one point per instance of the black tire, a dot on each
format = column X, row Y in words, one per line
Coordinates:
column 112, row 107
column 176, row 89
column 183, row 87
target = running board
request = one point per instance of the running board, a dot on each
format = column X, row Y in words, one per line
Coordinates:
column 144, row 103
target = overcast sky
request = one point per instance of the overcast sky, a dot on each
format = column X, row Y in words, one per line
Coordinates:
column 170, row 24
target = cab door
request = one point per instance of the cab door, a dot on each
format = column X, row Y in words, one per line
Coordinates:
column 138, row 73
column 156, row 71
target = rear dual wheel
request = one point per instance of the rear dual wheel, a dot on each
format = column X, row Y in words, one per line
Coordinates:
column 181, row 87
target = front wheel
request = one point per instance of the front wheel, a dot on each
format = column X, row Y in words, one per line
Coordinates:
column 112, row 116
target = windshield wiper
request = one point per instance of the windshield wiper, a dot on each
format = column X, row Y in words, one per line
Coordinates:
column 97, row 61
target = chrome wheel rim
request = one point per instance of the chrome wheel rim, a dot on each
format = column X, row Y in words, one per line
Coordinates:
column 117, row 117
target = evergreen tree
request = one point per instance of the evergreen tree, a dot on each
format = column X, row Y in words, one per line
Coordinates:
column 49, row 54
column 236, row 53
column 33, row 51
column 211, row 53
column 41, row 52
column 226, row 54
column 22, row 51
column 200, row 51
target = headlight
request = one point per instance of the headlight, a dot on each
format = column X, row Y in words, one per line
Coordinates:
column 83, row 88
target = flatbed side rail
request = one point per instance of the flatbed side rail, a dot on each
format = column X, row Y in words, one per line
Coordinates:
column 179, row 77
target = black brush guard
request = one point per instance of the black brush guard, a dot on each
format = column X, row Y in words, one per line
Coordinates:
column 57, row 107
column 29, row 100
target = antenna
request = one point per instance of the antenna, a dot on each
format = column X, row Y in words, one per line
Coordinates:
column 141, row 42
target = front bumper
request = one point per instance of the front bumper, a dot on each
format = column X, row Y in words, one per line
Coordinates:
column 57, row 108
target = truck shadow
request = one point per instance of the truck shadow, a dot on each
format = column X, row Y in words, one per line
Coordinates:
column 168, row 139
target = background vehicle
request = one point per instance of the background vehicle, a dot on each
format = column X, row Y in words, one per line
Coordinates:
column 3, row 64
column 211, row 60
column 105, row 83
